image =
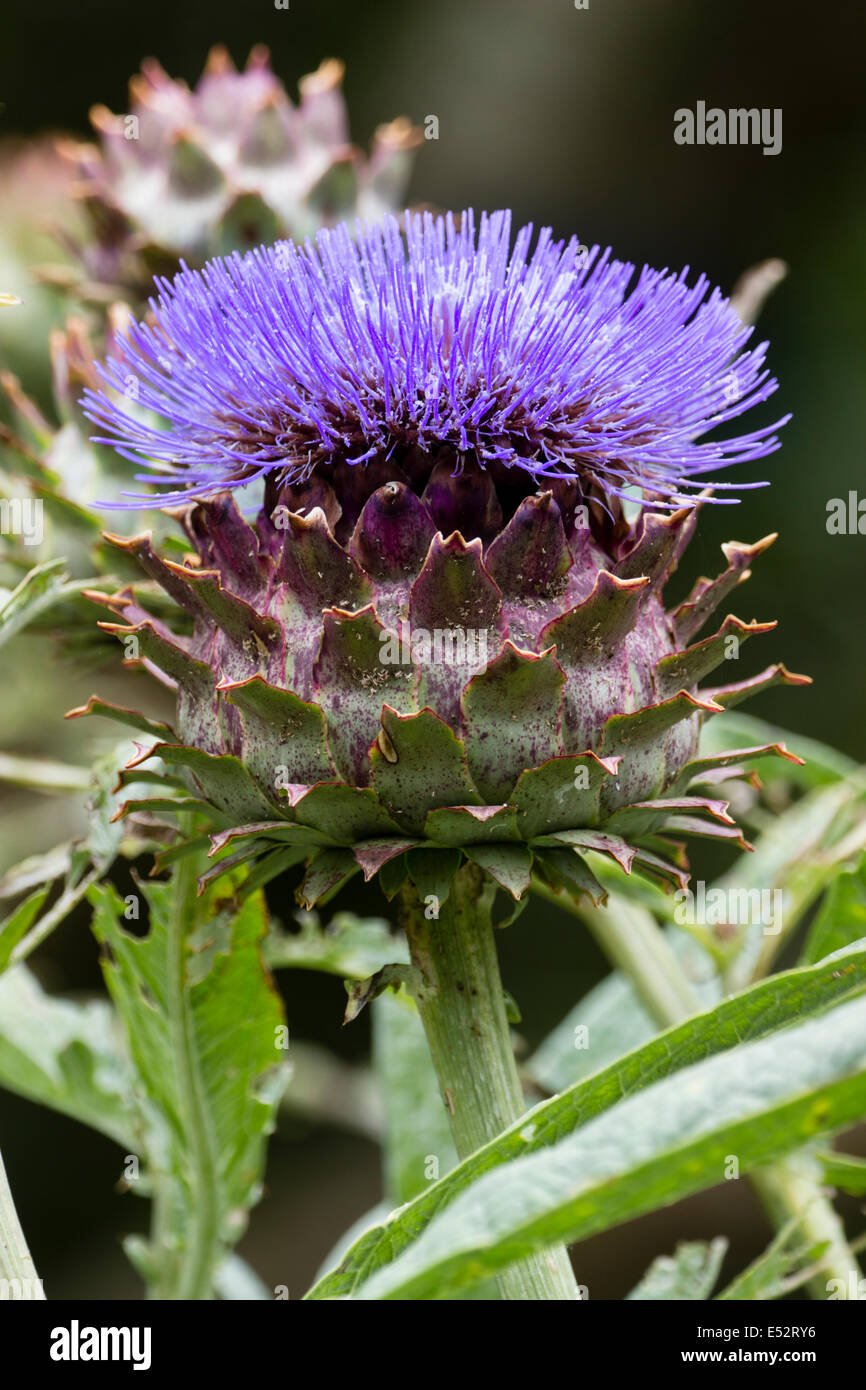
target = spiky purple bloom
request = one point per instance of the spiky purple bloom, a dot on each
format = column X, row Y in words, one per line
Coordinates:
column 293, row 360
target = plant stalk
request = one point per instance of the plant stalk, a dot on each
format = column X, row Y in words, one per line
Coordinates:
column 794, row 1184
column 790, row 1187
column 462, row 1008
column 17, row 1270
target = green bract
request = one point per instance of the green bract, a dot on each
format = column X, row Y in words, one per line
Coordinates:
column 517, row 700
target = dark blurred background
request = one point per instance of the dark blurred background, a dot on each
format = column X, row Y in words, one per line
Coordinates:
column 566, row 116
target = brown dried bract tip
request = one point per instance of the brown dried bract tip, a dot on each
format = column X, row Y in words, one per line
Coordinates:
column 755, row 286
column 399, row 134
column 328, row 75
column 219, row 60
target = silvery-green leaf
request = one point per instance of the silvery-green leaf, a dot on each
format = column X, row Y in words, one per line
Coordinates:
column 723, row 1031
column 418, row 1147
column 354, row 947
column 756, row 1102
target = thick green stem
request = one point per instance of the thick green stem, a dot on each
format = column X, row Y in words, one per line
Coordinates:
column 463, row 1011
column 17, row 1271
column 794, row 1184
column 790, row 1187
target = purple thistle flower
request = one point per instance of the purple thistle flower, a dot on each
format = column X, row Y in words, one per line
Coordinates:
column 289, row 361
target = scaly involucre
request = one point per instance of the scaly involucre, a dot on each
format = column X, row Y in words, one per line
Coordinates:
column 555, row 360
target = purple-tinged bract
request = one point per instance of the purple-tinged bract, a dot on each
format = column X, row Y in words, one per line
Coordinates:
column 231, row 164
column 550, row 359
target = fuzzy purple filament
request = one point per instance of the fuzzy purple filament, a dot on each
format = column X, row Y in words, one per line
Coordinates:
column 350, row 348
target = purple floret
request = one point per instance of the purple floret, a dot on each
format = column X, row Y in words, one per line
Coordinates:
column 290, row 360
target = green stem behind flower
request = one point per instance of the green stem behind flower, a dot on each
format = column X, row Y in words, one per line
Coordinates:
column 462, row 1008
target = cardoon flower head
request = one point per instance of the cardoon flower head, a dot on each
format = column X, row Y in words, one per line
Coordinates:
column 442, row 632
column 551, row 361
column 233, row 162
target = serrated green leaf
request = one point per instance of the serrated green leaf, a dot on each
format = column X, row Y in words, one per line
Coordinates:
column 457, row 826
column 155, row 728
column 352, row 947
column 65, row 1055
column 511, row 713
column 203, row 1027
column 84, row 862
column 224, row 779
column 560, row 794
